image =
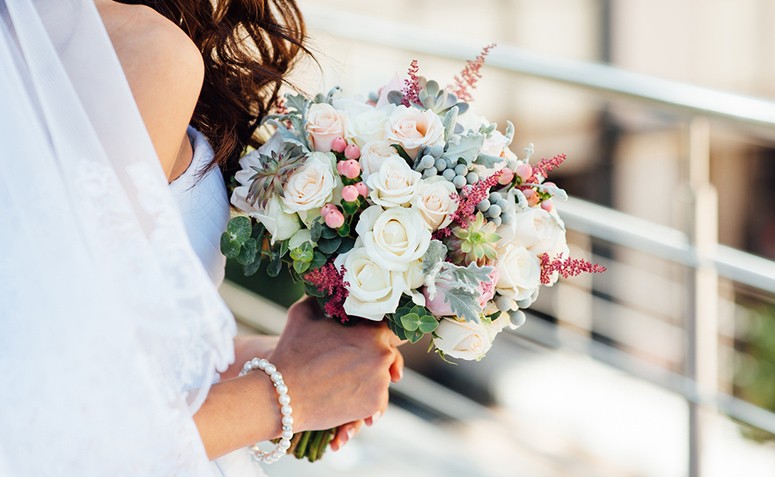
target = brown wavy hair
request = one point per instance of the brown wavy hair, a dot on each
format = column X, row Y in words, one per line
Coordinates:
column 248, row 47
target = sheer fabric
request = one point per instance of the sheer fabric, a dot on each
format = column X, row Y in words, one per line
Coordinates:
column 110, row 329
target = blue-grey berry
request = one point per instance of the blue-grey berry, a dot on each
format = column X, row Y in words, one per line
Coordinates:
column 427, row 162
column 472, row 177
column 483, row 205
column 430, row 172
column 494, row 210
column 495, row 197
column 459, row 181
column 505, row 218
column 441, row 164
column 449, row 174
column 461, row 170
column 503, row 203
column 496, row 220
column 450, row 163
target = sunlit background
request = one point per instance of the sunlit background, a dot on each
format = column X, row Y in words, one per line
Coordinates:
column 665, row 365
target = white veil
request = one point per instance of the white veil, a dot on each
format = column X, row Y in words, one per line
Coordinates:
column 110, row 329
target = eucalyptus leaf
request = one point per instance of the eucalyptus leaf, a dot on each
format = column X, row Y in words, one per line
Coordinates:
column 248, row 252
column 250, row 269
column 329, row 246
column 316, row 231
column 397, row 330
column 239, row 228
column 328, row 233
column 318, row 260
column 347, row 245
column 258, row 231
column 395, row 97
column 428, row 324
column 283, row 248
column 410, row 321
column 300, row 267
column 414, row 336
column 275, row 265
column 229, row 247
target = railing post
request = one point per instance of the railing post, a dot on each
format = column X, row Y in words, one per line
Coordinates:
column 702, row 316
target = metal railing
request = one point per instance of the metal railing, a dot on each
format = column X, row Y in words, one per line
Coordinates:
column 695, row 248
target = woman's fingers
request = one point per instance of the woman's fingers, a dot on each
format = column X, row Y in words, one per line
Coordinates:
column 397, row 368
column 344, row 434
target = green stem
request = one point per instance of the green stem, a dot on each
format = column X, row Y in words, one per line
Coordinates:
column 301, row 449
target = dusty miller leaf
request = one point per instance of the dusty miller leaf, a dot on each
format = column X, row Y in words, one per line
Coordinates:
column 464, row 147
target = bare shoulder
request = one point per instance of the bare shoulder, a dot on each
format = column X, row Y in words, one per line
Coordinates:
column 165, row 72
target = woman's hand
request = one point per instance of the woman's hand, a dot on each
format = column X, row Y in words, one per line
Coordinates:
column 335, row 375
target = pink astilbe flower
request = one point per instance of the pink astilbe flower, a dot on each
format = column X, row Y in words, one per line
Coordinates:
column 467, row 79
column 471, row 196
column 411, row 89
column 545, row 166
column 566, row 267
column 330, row 280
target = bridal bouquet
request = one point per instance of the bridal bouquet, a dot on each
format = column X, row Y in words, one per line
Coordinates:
column 404, row 207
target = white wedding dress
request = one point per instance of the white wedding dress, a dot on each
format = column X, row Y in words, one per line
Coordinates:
column 111, row 328
column 204, row 205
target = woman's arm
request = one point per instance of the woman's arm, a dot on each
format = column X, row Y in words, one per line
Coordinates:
column 334, row 376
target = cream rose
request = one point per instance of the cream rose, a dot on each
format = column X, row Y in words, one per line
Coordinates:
column 394, row 238
column 394, row 184
column 373, row 154
column 535, row 229
column 462, row 339
column 413, row 128
column 470, row 122
column 373, row 290
column 280, row 224
column 312, row 185
column 434, row 201
column 519, row 272
column 324, row 124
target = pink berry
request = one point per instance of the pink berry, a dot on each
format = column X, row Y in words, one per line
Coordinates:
column 334, row 219
column 352, row 152
column 362, row 189
column 349, row 168
column 524, row 171
column 547, row 205
column 327, row 209
column 350, row 193
column 506, row 177
column 338, row 145
column 531, row 196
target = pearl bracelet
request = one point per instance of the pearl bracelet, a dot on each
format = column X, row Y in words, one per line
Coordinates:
column 285, row 409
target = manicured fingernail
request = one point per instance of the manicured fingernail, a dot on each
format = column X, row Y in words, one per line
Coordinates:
column 375, row 417
column 350, row 433
column 400, row 374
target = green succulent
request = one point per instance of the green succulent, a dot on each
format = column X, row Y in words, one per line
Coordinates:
column 475, row 243
column 434, row 98
column 274, row 172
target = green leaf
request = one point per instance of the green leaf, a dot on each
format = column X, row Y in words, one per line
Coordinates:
column 317, row 230
column 250, row 269
column 464, row 147
column 275, row 265
column 347, row 245
column 258, row 231
column 284, row 248
column 248, row 253
column 318, row 260
column 414, row 336
column 300, row 267
column 239, row 228
column 344, row 230
column 329, row 246
column 402, row 152
column 428, row 324
column 488, row 161
column 349, row 207
column 327, row 233
column 397, row 330
column 410, row 321
column 464, row 304
column 229, row 247
column 449, row 122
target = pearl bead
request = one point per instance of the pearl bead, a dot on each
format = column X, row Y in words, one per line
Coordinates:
column 284, row 444
column 262, row 364
column 276, row 376
column 286, row 410
column 255, row 362
column 288, row 420
column 284, row 399
column 282, row 389
column 287, row 435
column 269, row 369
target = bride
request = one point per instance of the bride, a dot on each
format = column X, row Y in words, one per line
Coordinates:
column 117, row 355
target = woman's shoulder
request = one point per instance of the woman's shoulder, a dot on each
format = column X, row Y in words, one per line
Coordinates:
column 164, row 68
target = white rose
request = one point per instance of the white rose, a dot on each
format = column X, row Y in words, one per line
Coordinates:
column 373, row 154
column 519, row 272
column 312, row 185
column 434, row 201
column 413, row 128
column 280, row 224
column 414, row 279
column 395, row 237
column 494, row 144
column 394, row 184
column 324, row 124
column 373, row 290
column 365, row 123
column 462, row 339
column 535, row 229
column 471, row 122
